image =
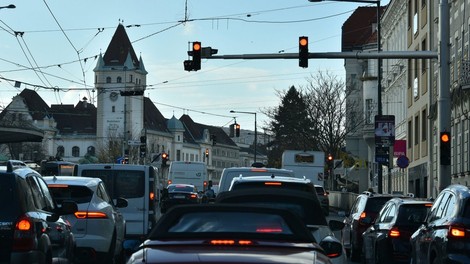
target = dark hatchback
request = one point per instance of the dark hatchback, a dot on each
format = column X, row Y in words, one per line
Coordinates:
column 387, row 240
column 363, row 212
column 445, row 235
column 31, row 229
column 177, row 194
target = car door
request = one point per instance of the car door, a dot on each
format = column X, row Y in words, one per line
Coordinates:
column 374, row 234
column 117, row 215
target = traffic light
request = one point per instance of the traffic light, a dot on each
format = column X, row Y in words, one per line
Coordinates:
column 143, row 146
column 164, row 159
column 132, row 93
column 207, row 152
column 196, row 55
column 237, row 130
column 232, row 130
column 303, row 52
column 445, row 148
column 330, row 161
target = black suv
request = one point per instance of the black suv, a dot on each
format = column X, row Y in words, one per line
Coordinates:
column 31, row 229
column 363, row 212
column 445, row 235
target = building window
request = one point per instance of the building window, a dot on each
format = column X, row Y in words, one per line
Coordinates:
column 410, row 135
column 131, row 78
column 119, row 79
column 423, row 61
column 113, row 109
column 108, row 79
column 369, row 111
column 91, row 151
column 424, row 125
column 75, row 151
column 416, row 130
column 178, row 155
column 60, row 151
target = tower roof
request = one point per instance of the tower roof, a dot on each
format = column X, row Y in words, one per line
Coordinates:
column 119, row 49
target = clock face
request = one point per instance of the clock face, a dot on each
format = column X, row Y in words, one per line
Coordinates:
column 113, row 96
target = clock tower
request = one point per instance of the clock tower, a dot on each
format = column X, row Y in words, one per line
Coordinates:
column 120, row 117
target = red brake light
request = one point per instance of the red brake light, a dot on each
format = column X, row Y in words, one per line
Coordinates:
column 268, row 230
column 152, row 196
column 23, row 225
column 259, row 170
column 205, row 183
column 53, row 185
column 222, row 242
column 456, row 231
column 229, row 242
column 394, row 232
column 363, row 215
column 94, row 215
column 193, row 196
column 273, row 183
column 169, row 182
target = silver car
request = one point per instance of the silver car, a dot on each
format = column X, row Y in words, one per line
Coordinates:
column 98, row 225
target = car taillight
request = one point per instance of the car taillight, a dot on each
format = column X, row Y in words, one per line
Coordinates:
column 229, row 242
column 93, row 215
column 193, row 196
column 170, row 182
column 394, row 232
column 269, row 230
column 273, row 183
column 24, row 238
column 456, row 232
column 151, row 196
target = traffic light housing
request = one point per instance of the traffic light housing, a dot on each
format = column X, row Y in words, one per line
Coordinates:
column 330, row 161
column 303, row 52
column 143, row 146
column 237, row 130
column 196, row 53
column 445, row 148
column 164, row 159
column 207, row 152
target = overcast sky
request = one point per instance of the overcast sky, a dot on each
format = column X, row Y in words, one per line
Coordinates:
column 53, row 44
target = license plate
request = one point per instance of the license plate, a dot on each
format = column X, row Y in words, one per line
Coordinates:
column 179, row 197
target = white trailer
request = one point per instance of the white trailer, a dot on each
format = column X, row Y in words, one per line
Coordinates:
column 310, row 164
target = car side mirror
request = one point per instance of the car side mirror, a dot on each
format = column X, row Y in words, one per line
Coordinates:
column 121, row 202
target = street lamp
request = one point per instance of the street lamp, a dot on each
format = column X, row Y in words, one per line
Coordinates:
column 8, row 6
column 256, row 130
column 379, row 67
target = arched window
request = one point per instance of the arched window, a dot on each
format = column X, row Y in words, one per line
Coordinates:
column 108, row 79
column 90, row 151
column 60, row 151
column 75, row 151
column 119, row 79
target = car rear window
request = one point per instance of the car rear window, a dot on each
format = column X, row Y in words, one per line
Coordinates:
column 233, row 222
column 180, row 189
column 268, row 184
column 78, row 194
column 10, row 209
column 120, row 183
column 412, row 213
column 375, row 204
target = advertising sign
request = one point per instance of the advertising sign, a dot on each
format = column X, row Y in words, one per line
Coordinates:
column 384, row 130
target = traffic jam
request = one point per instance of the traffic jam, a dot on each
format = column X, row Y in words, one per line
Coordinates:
column 117, row 213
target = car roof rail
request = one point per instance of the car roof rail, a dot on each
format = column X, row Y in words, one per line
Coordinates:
column 15, row 164
column 411, row 195
column 370, row 194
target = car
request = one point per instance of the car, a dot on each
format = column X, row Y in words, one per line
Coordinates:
column 175, row 194
column 224, row 233
column 323, row 198
column 363, row 211
column 444, row 236
column 303, row 204
column 98, row 225
column 32, row 229
column 229, row 173
column 387, row 240
column 300, row 184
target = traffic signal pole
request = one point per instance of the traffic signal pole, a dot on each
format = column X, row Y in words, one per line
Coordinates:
column 443, row 102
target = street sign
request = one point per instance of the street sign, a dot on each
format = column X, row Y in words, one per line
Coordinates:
column 384, row 130
column 133, row 142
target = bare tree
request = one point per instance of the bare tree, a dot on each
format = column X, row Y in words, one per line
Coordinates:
column 326, row 105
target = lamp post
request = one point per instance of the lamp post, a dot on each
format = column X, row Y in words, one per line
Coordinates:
column 379, row 73
column 256, row 130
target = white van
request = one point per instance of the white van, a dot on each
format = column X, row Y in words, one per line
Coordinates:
column 137, row 184
column 185, row 172
column 229, row 173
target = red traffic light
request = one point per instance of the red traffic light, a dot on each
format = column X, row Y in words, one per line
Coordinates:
column 164, row 155
column 303, row 41
column 196, row 46
column 445, row 137
column 303, row 52
column 330, row 157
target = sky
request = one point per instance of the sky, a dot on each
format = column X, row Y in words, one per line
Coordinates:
column 51, row 46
